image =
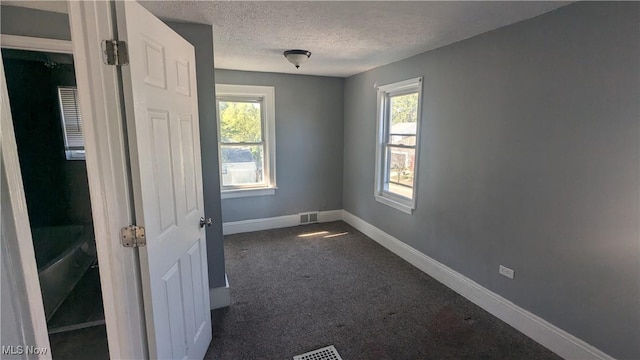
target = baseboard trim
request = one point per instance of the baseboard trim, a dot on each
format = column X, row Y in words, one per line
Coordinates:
column 538, row 329
column 237, row 227
column 221, row 296
column 329, row 216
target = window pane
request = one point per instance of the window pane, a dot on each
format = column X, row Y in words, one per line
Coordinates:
column 240, row 122
column 403, row 114
column 242, row 165
column 408, row 140
column 401, row 171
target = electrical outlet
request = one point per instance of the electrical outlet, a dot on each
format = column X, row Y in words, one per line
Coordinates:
column 503, row 270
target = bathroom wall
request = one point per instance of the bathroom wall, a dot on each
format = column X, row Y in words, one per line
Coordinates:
column 57, row 190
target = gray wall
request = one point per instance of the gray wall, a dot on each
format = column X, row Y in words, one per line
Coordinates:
column 201, row 37
column 529, row 158
column 56, row 189
column 35, row 23
column 309, row 113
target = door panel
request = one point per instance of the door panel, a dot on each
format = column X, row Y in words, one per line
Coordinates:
column 188, row 161
column 162, row 121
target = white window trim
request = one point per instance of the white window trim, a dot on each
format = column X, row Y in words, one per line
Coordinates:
column 36, row 44
column 380, row 194
column 267, row 93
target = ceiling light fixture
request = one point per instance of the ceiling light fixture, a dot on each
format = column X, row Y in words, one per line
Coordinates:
column 297, row 57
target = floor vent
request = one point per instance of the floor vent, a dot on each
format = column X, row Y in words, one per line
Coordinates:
column 326, row 353
column 308, row 218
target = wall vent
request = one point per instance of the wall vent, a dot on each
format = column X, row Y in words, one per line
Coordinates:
column 309, row 217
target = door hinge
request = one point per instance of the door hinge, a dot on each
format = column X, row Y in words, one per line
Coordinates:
column 133, row 236
column 115, row 52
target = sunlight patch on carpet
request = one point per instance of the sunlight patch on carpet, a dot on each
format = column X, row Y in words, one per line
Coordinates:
column 313, row 234
column 334, row 235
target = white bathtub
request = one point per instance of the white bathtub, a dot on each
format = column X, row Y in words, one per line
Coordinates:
column 63, row 255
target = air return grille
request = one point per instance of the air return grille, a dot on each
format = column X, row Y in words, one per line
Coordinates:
column 308, row 218
column 326, row 353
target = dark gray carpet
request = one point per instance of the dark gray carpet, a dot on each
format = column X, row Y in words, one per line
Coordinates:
column 293, row 294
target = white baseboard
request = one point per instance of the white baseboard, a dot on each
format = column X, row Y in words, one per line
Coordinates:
column 237, row 227
column 329, row 216
column 221, row 296
column 548, row 335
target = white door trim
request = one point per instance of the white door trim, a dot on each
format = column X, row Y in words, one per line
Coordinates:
column 107, row 171
column 36, row 44
column 17, row 246
column 106, row 158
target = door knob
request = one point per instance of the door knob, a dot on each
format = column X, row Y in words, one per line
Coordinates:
column 206, row 221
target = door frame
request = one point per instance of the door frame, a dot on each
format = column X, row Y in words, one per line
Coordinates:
column 91, row 22
column 18, row 256
column 18, row 42
column 108, row 176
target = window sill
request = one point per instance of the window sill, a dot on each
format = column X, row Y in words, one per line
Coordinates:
column 240, row 193
column 405, row 208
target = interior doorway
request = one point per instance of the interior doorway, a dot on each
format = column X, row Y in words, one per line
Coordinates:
column 48, row 130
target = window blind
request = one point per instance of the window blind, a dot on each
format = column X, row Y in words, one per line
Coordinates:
column 71, row 122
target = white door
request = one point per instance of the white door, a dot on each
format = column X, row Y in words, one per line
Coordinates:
column 164, row 142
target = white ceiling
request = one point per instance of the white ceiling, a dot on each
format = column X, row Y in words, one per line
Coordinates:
column 344, row 37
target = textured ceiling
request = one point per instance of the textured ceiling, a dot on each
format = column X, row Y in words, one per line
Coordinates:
column 345, row 37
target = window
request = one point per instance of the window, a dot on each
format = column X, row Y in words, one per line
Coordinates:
column 398, row 138
column 246, row 132
column 71, row 122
